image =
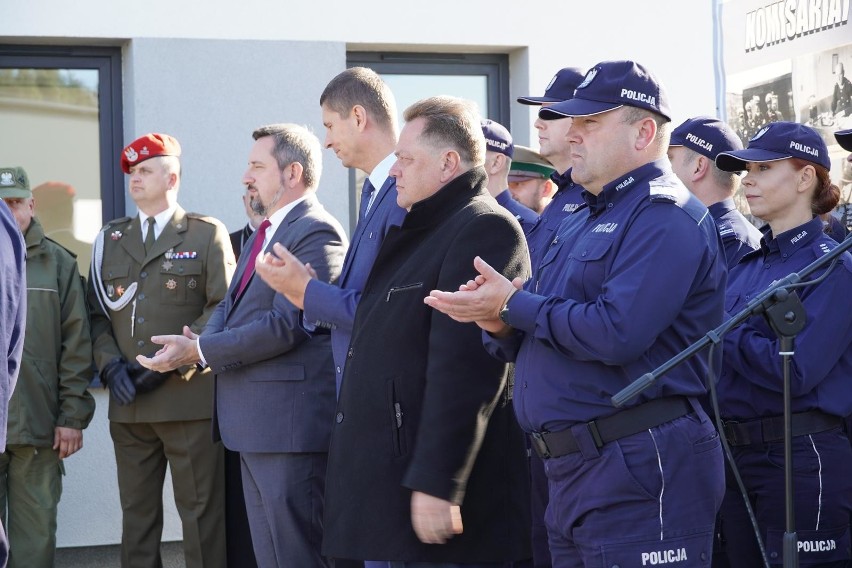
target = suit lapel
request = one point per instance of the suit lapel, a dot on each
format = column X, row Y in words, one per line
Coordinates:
column 132, row 241
column 246, row 263
column 294, row 215
column 361, row 227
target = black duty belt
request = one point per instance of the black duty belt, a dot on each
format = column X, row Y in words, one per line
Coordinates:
column 620, row 425
column 766, row 430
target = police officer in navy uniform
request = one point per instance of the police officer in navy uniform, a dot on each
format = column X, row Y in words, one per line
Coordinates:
column 844, row 138
column 693, row 148
column 153, row 274
column 554, row 147
column 499, row 150
column 630, row 279
column 844, row 210
column 692, row 152
column 787, row 184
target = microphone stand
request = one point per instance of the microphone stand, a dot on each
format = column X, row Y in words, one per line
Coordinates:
column 786, row 316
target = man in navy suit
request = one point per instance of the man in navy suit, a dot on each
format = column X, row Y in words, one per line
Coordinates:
column 359, row 114
column 274, row 397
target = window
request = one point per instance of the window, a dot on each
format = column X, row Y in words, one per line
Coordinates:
column 61, row 112
column 482, row 78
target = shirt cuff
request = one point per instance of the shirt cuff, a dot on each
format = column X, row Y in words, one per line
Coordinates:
column 523, row 310
column 203, row 362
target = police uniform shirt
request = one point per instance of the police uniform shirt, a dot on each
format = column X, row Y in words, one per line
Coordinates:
column 525, row 216
column 630, row 280
column 751, row 382
column 739, row 237
column 567, row 199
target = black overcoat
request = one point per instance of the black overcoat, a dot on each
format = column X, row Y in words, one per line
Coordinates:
column 422, row 406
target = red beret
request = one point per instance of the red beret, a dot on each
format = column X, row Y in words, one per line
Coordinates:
column 148, row 146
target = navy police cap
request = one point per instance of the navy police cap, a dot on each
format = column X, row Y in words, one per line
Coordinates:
column 497, row 138
column 610, row 85
column 778, row 141
column 561, row 87
column 706, row 135
column 844, row 138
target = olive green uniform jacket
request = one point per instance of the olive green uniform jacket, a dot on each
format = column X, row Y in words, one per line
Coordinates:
column 179, row 282
column 57, row 364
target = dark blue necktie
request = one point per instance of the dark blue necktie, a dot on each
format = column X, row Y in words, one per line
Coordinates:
column 366, row 191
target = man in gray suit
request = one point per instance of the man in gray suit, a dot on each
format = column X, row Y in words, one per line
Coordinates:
column 275, row 393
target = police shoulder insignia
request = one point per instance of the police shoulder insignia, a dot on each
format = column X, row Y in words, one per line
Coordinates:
column 662, row 192
column 725, row 228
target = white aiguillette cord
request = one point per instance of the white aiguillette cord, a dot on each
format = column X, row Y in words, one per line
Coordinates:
column 100, row 292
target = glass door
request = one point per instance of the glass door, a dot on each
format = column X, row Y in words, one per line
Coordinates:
column 56, row 126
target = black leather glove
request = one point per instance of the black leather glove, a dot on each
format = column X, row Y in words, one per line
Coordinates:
column 146, row 380
column 117, row 378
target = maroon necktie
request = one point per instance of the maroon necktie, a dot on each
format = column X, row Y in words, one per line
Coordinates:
column 256, row 247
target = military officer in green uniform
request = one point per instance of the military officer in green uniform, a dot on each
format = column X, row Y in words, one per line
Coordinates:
column 51, row 404
column 162, row 271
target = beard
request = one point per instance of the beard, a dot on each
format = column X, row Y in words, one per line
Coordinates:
column 259, row 207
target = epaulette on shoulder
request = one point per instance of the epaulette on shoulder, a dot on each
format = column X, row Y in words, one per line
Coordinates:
column 665, row 192
column 205, row 218
column 824, row 246
column 725, row 228
column 115, row 222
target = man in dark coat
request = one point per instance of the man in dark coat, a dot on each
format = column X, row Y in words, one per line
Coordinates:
column 426, row 461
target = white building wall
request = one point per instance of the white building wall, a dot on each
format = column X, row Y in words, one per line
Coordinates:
column 211, row 71
column 90, row 512
column 211, row 95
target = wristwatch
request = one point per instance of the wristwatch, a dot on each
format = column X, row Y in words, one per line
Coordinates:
column 503, row 314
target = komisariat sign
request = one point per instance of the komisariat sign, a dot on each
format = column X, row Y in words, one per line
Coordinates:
column 788, row 20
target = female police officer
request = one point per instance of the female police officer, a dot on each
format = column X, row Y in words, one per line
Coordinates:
column 787, row 185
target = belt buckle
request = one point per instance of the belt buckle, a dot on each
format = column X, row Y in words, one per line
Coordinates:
column 729, row 429
column 540, row 445
column 595, row 433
